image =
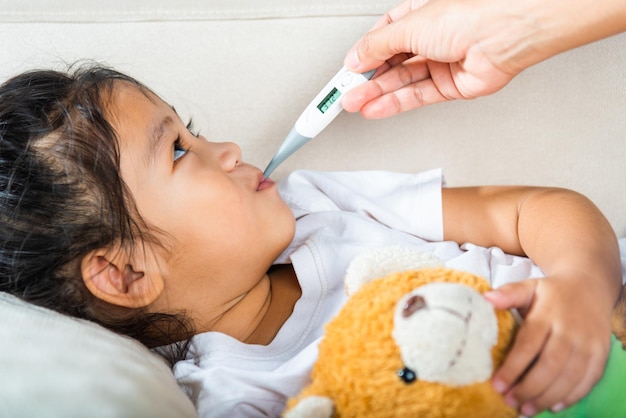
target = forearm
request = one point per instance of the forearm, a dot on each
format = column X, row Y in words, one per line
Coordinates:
column 563, row 232
column 518, row 34
column 566, row 235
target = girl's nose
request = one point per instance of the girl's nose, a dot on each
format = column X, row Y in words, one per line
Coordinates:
column 228, row 154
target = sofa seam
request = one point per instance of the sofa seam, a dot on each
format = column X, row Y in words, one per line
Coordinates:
column 14, row 16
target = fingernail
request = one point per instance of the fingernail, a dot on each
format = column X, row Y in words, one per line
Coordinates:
column 511, row 401
column 528, row 410
column 499, row 386
column 352, row 60
column 558, row 407
column 490, row 293
column 493, row 292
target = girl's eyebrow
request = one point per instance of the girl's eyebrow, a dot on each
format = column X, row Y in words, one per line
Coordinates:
column 156, row 138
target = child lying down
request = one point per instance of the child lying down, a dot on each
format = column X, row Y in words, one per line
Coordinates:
column 114, row 210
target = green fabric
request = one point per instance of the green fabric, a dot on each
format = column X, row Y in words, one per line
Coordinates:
column 608, row 397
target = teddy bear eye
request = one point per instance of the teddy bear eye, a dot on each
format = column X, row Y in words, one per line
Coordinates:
column 407, row 375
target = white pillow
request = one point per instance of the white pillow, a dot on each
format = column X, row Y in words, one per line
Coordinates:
column 52, row 365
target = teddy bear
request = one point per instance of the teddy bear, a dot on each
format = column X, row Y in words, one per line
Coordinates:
column 416, row 339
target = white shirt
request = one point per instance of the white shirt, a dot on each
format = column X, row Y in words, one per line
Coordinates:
column 338, row 216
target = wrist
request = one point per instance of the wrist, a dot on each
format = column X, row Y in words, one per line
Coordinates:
column 599, row 278
column 530, row 31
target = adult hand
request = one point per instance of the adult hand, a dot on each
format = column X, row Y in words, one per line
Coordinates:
column 428, row 52
column 431, row 51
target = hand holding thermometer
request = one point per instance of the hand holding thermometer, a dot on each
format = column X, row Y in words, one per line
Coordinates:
column 318, row 114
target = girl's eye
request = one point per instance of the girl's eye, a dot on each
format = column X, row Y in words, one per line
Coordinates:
column 191, row 129
column 179, row 151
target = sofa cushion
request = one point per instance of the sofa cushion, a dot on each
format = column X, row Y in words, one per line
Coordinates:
column 56, row 366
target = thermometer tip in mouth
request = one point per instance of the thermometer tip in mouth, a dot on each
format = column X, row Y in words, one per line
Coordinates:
column 291, row 144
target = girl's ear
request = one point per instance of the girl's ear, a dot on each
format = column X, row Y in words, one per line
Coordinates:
column 112, row 276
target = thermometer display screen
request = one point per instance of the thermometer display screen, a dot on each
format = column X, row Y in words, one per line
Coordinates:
column 329, row 100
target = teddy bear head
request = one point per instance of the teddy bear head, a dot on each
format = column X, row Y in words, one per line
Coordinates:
column 413, row 343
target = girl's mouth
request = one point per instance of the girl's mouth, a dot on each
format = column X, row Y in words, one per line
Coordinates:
column 265, row 183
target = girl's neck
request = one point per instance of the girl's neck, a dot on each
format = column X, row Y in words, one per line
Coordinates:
column 283, row 294
column 257, row 317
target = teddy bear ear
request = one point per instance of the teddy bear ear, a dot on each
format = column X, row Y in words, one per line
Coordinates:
column 380, row 262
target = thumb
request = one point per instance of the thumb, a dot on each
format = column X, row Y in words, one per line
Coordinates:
column 378, row 45
column 513, row 295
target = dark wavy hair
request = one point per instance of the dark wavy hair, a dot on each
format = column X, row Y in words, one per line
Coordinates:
column 61, row 196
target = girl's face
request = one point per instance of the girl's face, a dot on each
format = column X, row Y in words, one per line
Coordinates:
column 224, row 224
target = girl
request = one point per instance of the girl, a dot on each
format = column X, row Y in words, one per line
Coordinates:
column 114, row 211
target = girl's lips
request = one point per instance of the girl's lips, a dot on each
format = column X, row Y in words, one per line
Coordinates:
column 265, row 183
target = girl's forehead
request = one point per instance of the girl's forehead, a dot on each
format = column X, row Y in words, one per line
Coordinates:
column 133, row 106
column 127, row 94
column 143, row 122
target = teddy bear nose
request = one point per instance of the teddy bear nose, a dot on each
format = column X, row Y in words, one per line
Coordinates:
column 412, row 305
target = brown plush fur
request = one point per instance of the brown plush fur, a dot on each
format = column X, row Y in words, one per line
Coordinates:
column 359, row 360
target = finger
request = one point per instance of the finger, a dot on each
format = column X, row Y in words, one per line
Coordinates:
column 513, row 295
column 593, row 374
column 580, row 373
column 390, row 63
column 396, row 60
column 395, row 14
column 549, row 379
column 352, row 60
column 398, row 12
column 355, row 99
column 400, row 76
column 552, row 394
column 443, row 79
column 358, row 96
column 394, row 34
column 410, row 97
column 528, row 343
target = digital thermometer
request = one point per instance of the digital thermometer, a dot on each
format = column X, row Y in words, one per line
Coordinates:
column 318, row 114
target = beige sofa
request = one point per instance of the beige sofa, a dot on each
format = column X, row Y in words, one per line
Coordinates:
column 245, row 69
